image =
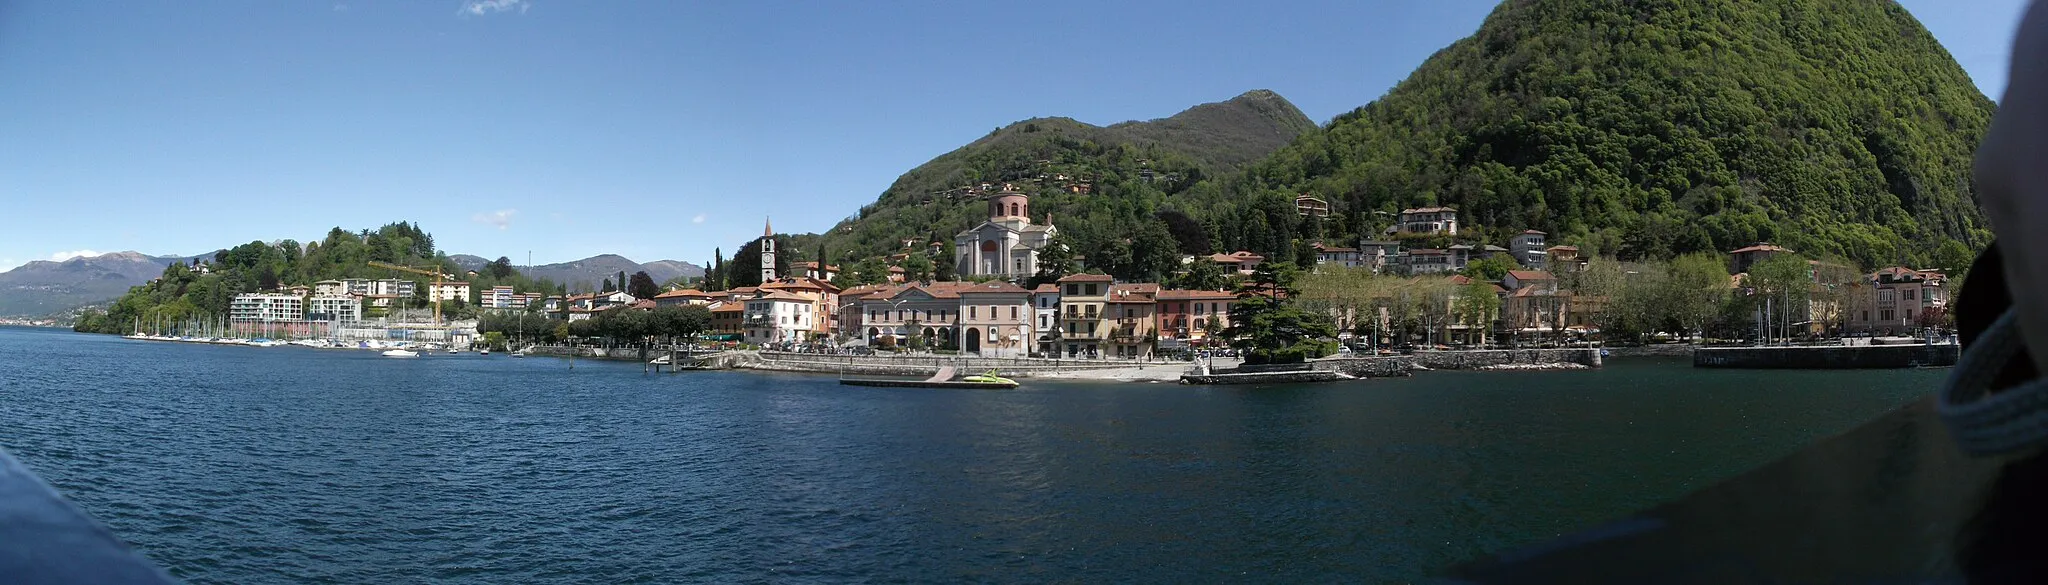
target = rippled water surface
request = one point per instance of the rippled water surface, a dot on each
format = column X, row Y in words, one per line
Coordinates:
column 274, row 465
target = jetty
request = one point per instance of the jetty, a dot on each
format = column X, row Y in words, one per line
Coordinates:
column 942, row 379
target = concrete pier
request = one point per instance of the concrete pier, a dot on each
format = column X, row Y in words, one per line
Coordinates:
column 1827, row 357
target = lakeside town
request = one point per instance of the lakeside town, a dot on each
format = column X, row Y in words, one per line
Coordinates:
column 1376, row 296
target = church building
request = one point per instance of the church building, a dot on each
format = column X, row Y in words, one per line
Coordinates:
column 1004, row 246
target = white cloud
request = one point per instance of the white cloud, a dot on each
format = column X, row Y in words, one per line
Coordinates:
column 484, row 7
column 501, row 218
column 698, row 219
column 62, row 256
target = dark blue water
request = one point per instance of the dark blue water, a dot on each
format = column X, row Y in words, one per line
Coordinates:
column 275, row 465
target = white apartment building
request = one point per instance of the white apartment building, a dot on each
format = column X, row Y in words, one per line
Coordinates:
column 383, row 287
column 330, row 288
column 266, row 307
column 1045, row 322
column 337, row 308
column 500, row 297
column 448, row 292
column 777, row 317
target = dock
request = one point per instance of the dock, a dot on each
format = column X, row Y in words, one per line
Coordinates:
column 921, row 383
column 942, row 379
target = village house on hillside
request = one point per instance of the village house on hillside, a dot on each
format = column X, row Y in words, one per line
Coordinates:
column 1426, row 220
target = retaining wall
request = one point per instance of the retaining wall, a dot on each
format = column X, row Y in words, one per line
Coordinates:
column 1390, row 366
column 887, row 365
column 1650, row 350
column 1480, row 358
column 1294, row 377
column 1833, row 357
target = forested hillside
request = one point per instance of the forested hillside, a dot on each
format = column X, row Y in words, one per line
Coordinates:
column 1076, row 172
column 185, row 291
column 1654, row 128
column 1638, row 129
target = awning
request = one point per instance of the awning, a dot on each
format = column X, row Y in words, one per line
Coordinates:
column 723, row 337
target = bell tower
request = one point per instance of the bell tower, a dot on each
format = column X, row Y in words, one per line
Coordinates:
column 767, row 252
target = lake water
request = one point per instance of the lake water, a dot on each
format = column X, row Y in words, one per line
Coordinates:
column 269, row 465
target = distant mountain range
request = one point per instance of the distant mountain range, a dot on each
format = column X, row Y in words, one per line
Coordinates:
column 44, row 287
column 594, row 270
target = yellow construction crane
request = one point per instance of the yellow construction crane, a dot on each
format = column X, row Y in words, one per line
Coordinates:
column 434, row 293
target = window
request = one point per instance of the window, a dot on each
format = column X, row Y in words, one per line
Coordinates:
column 1013, row 312
column 1073, row 290
column 1909, row 294
column 1091, row 290
column 973, row 312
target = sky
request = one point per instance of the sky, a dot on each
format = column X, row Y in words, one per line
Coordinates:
column 655, row 130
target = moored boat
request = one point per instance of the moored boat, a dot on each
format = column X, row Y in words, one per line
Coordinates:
column 401, row 353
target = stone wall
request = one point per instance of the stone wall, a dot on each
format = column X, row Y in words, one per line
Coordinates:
column 1834, row 357
column 1650, row 350
column 1480, row 358
column 1283, row 377
column 897, row 365
column 1391, row 366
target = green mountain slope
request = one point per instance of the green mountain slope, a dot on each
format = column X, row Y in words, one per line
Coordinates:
column 1651, row 128
column 1134, row 164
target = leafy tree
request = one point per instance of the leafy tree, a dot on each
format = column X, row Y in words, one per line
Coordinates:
column 1697, row 287
column 917, row 267
column 1779, row 284
column 1154, row 252
column 1490, row 268
column 1189, row 236
column 608, row 286
column 1201, row 274
column 1055, row 260
column 642, row 286
column 500, row 268
column 715, row 278
column 1954, row 258
column 1476, row 305
column 866, row 271
column 1267, row 325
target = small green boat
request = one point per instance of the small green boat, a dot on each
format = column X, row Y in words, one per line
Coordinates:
column 990, row 378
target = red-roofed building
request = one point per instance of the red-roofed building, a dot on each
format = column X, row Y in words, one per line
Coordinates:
column 1337, row 256
column 1192, row 317
column 1307, row 205
column 1897, row 301
column 1426, row 220
column 685, row 296
column 1133, row 319
column 1750, row 255
column 1084, row 300
column 1241, row 262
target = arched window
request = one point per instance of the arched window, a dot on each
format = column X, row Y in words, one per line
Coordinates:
column 1013, row 209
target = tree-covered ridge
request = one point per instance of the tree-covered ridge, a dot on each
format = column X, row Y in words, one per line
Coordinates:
column 203, row 292
column 1071, row 169
column 1656, row 128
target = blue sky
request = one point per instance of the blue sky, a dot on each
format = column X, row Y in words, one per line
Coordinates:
column 653, row 130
